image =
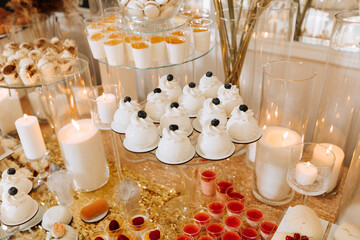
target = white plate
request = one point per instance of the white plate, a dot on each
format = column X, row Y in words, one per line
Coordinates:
column 228, row 154
column 254, row 139
column 121, row 131
column 196, row 125
column 97, row 218
column 31, row 215
column 163, row 159
column 188, row 133
column 141, row 150
column 38, row 215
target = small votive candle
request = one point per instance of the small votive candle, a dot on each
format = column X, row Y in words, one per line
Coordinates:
column 207, row 182
column 216, row 209
column 305, row 173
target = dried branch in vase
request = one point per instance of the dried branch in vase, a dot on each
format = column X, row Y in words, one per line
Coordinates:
column 236, row 25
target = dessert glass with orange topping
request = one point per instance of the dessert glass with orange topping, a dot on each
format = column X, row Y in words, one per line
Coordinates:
column 158, row 47
column 128, row 39
column 201, row 30
column 183, row 32
column 154, row 232
column 110, row 19
column 93, row 25
column 141, row 51
column 96, row 43
column 138, row 219
column 114, row 48
column 176, row 48
column 114, row 226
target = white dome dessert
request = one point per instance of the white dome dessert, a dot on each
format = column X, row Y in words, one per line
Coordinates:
column 242, row 125
column 192, row 99
column 212, row 108
column 174, row 147
column 56, row 214
column 171, row 87
column 214, row 141
column 209, row 85
column 63, row 232
column 141, row 135
column 230, row 97
column 157, row 101
column 12, row 178
column 175, row 114
column 17, row 207
column 123, row 114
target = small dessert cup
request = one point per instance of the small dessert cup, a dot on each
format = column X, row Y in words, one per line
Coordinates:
column 231, row 193
column 96, row 43
column 114, row 48
column 127, row 233
column 201, row 217
column 216, row 209
column 215, row 228
column 207, row 182
column 176, row 49
column 201, row 30
column 111, row 18
column 191, row 229
column 114, row 226
column 141, row 51
column 205, row 237
column 153, row 232
column 184, row 237
column 93, row 25
column 231, row 236
column 249, row 233
column 223, row 182
column 184, row 32
column 232, row 223
column 268, row 227
column 158, row 47
column 138, row 219
column 253, row 215
column 234, row 207
column 128, row 39
column 98, row 235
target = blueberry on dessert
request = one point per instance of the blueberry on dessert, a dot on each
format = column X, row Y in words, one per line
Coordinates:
column 174, row 105
column 142, row 114
column 127, row 99
column 227, row 85
column 243, row 107
column 12, row 191
column 209, row 74
column 192, row 85
column 157, row 90
column 11, row 171
column 215, row 122
column 173, row 127
column 170, row 77
column 216, row 101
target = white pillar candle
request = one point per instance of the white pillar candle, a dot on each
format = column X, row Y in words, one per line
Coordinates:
column 84, row 154
column 106, row 104
column 273, row 154
column 305, row 173
column 32, row 141
column 323, row 154
column 81, row 99
column 10, row 110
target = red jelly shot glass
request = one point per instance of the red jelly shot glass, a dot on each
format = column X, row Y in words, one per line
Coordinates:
column 268, row 227
column 184, row 237
column 231, row 236
column 254, row 216
column 207, row 182
column 215, row 228
column 206, row 237
column 223, row 183
column 249, row 233
column 191, row 229
column 231, row 193
column 232, row 223
column 234, row 207
column 216, row 209
column 201, row 217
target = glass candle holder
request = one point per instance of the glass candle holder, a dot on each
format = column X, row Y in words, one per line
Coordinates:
column 80, row 141
column 286, row 101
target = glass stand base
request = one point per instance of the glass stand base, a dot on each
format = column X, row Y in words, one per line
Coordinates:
column 273, row 202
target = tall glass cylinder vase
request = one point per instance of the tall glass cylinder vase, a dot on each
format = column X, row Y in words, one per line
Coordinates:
column 80, row 141
column 285, row 104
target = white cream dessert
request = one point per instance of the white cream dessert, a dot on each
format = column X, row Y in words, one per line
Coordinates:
column 157, row 101
column 175, row 114
column 212, row 109
column 66, row 64
column 172, row 88
column 41, row 44
column 214, row 141
column 191, row 99
column 96, row 43
column 201, row 37
column 141, row 133
column 10, row 74
column 55, row 214
column 174, row 147
column 35, row 55
column 12, row 178
column 176, row 49
column 141, row 53
column 63, row 232
column 29, row 74
column 230, row 97
column 123, row 114
column 114, row 49
column 17, row 207
column 47, row 66
column 21, row 53
column 10, row 49
column 242, row 125
column 209, row 85
column 158, row 48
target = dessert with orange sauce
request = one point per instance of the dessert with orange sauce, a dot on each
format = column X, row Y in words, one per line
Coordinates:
column 114, row 227
column 158, row 48
column 201, row 34
column 114, row 48
column 176, row 49
column 142, row 54
column 96, row 43
column 128, row 40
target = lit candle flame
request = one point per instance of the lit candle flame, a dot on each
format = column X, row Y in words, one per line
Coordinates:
column 285, row 135
column 104, row 96
column 26, row 116
column 75, row 124
column 308, row 164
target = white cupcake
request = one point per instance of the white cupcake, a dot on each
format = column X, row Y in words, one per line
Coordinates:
column 55, row 214
column 174, row 147
column 175, row 114
column 209, row 85
column 123, row 114
column 12, row 178
column 172, row 88
column 212, row 108
column 230, row 97
column 191, row 99
column 141, row 135
column 214, row 142
column 242, row 125
column 157, row 101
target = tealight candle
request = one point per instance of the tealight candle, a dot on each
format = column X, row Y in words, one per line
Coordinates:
column 30, row 136
column 106, row 104
column 305, row 173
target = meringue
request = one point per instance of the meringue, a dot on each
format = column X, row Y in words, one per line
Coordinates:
column 123, row 114
column 209, row 85
column 35, row 55
column 175, row 114
column 47, row 67
column 55, row 214
column 141, row 134
column 212, row 109
column 63, row 232
column 174, row 147
column 157, row 101
column 242, row 125
column 229, row 97
column 192, row 99
column 214, row 141
column 172, row 88
column 10, row 74
column 29, row 74
column 12, row 178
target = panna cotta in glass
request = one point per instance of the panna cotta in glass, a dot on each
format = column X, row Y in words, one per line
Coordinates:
column 201, row 217
column 230, row 97
column 234, row 207
column 176, row 49
column 156, row 104
column 249, row 233
column 232, row 223
column 242, row 125
column 175, row 114
column 138, row 219
column 122, row 116
column 216, row 209
column 223, row 183
column 96, row 43
column 128, row 40
column 141, row 51
column 191, row 229
column 201, row 31
column 211, row 109
column 158, row 48
column 114, row 48
column 191, row 99
column 268, row 227
column 231, row 193
column 207, row 182
column 231, row 236
column 253, row 216
column 215, row 229
column 209, row 85
column 171, row 87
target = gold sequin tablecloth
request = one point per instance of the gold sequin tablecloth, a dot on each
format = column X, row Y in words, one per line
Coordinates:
column 162, row 189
